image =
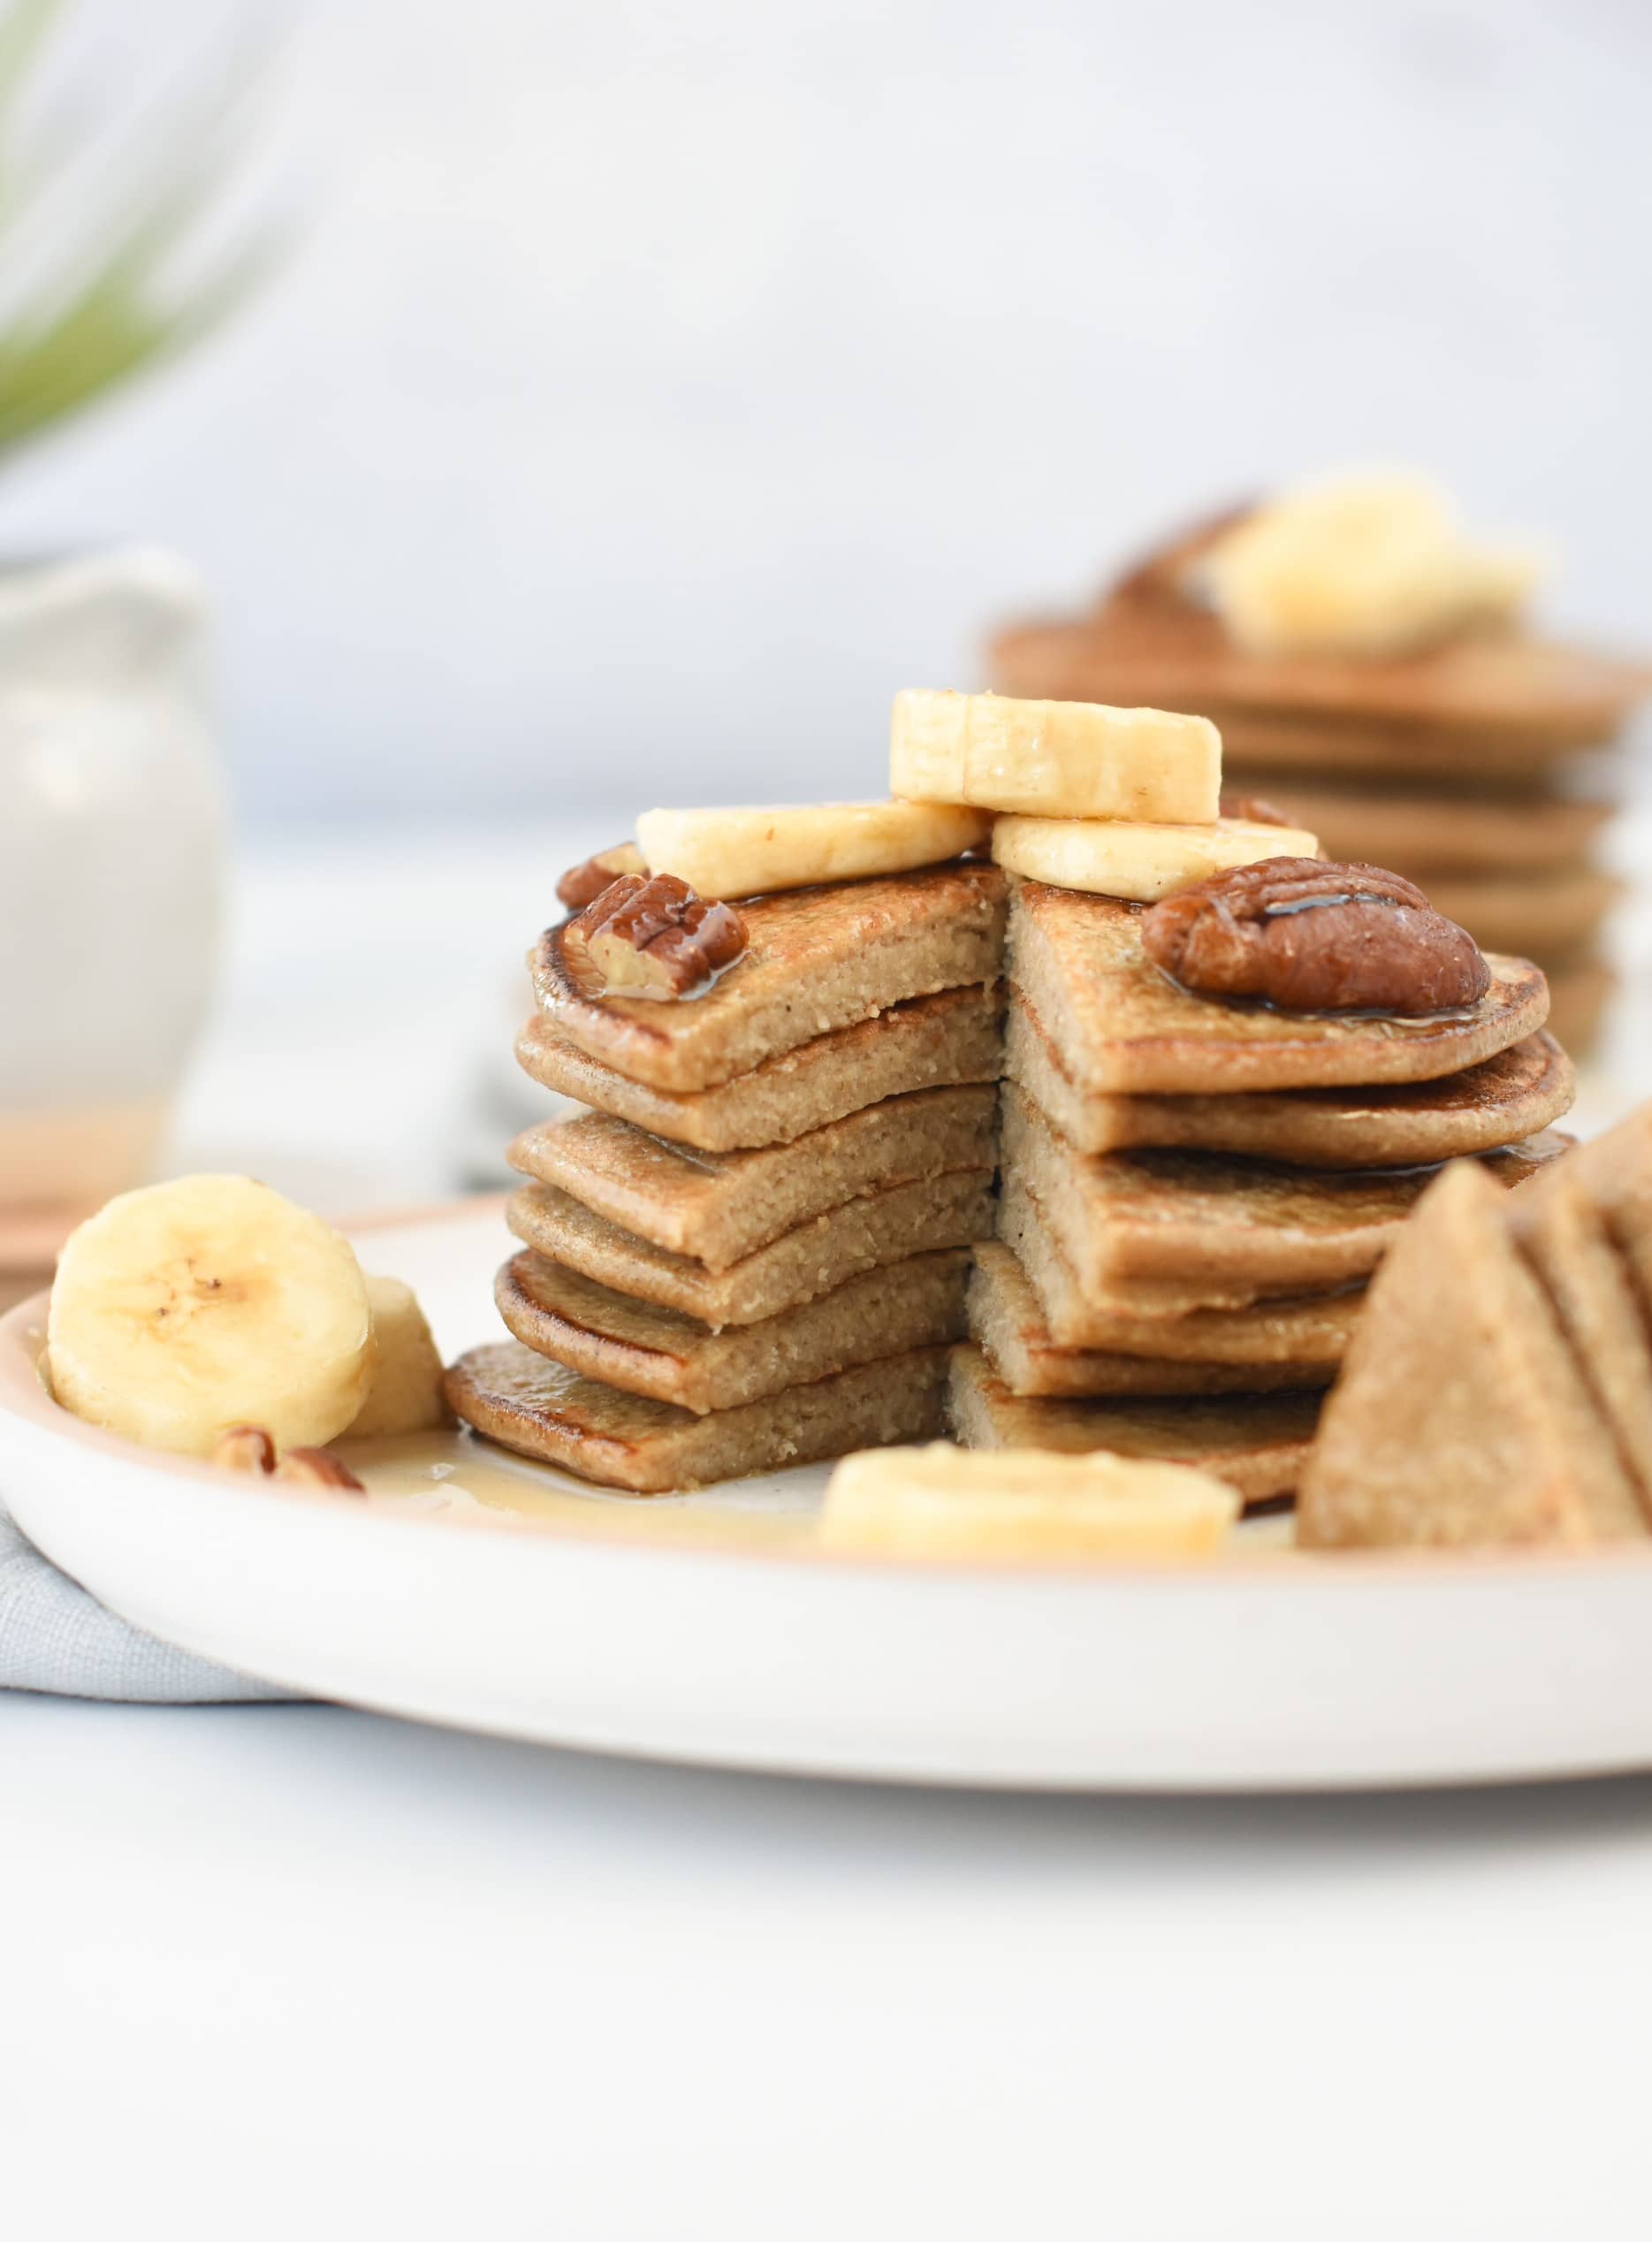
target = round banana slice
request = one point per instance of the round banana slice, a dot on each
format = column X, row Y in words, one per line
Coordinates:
column 187, row 1308
column 1139, row 863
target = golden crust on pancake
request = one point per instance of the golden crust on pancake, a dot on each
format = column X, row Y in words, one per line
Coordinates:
column 950, row 1038
column 539, row 1408
column 631, row 1343
column 717, row 1207
column 1258, row 1443
column 1231, row 1231
column 1007, row 1323
column 1121, row 1025
column 1316, row 1328
column 868, row 1232
column 1517, row 1093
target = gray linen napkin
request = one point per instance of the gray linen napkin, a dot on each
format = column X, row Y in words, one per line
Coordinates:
column 56, row 1638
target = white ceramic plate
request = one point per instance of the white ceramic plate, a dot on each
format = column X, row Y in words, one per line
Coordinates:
column 506, row 1597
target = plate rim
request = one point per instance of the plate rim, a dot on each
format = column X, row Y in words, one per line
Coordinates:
column 25, row 1397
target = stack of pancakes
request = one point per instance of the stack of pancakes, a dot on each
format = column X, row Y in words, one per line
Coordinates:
column 1478, row 768
column 1194, row 1195
column 752, row 1250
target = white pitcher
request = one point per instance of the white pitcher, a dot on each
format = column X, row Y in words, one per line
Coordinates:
column 112, row 846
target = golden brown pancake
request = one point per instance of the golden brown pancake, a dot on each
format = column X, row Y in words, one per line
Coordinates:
column 1258, row 1443
column 625, row 1440
column 1077, row 963
column 1231, row 1231
column 1462, row 1416
column 868, row 1232
column 644, row 1349
column 952, row 1037
column 1579, row 990
column 1516, row 698
column 717, row 1207
column 1541, row 914
column 1422, row 835
column 1294, row 1331
column 1518, row 1093
column 1007, row 1322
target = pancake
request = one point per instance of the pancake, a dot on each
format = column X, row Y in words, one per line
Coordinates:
column 1462, row 1417
column 1258, row 1443
column 1416, row 754
column 643, row 1349
column 950, row 1038
column 1564, row 1234
column 1421, row 833
column 1121, row 1025
column 1499, row 695
column 817, row 959
column 647, row 1447
column 1518, row 1093
column 869, row 1232
column 1294, row 1331
column 717, row 1207
column 1232, row 1231
column 1537, row 915
column 1579, row 990
column 1007, row 1322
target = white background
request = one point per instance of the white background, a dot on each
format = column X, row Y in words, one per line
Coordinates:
column 297, row 1973
column 655, row 388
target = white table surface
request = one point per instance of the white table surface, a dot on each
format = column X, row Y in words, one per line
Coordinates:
column 294, row 1970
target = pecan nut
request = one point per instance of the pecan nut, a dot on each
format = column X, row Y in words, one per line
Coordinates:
column 1314, row 937
column 586, row 881
column 245, row 1448
column 650, row 937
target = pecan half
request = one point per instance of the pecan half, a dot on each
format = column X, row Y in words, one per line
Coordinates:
column 650, row 937
column 1254, row 809
column 1313, row 937
column 586, row 881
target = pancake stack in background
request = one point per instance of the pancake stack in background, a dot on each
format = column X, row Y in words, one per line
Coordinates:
column 1371, row 678
column 752, row 1250
column 1194, row 1193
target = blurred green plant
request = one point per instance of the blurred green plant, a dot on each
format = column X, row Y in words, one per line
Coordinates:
column 95, row 301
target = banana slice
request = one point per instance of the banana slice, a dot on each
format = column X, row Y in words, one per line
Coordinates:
column 751, row 852
column 1021, row 1503
column 1055, row 759
column 405, row 1395
column 187, row 1308
column 1364, row 565
column 1137, row 862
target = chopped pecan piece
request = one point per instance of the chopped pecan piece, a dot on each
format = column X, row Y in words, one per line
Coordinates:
column 650, row 937
column 586, row 881
column 1254, row 809
column 1313, row 937
column 245, row 1448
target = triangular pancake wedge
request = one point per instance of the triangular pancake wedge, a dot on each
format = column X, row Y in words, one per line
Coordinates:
column 1586, row 1233
column 1461, row 1417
